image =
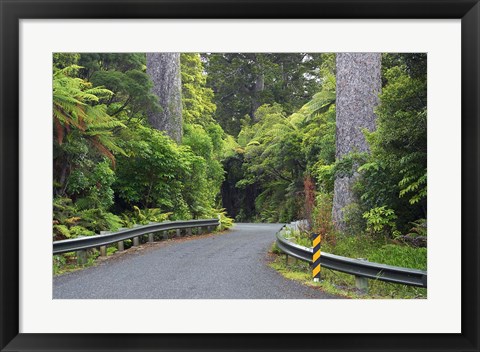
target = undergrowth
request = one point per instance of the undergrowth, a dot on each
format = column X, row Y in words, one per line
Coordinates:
column 361, row 246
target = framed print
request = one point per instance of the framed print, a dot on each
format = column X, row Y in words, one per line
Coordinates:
column 117, row 176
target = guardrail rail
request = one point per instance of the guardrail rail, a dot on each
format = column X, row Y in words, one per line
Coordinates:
column 103, row 240
column 359, row 268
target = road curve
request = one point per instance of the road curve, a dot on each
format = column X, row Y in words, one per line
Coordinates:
column 231, row 265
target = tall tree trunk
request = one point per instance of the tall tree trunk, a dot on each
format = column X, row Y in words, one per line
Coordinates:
column 358, row 85
column 256, row 91
column 164, row 70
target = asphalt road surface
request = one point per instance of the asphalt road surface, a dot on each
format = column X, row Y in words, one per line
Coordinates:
column 231, row 265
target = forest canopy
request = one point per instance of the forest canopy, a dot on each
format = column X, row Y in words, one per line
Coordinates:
column 258, row 143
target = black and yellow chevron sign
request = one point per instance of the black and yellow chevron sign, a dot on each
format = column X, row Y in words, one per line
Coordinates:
column 316, row 256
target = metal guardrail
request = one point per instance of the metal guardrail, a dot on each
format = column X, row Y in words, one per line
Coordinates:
column 82, row 243
column 359, row 268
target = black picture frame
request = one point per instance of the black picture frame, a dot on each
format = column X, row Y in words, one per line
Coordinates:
column 12, row 11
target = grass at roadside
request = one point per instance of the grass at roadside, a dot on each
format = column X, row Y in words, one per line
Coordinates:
column 338, row 283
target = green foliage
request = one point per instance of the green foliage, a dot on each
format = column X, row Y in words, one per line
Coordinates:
column 302, row 238
column 111, row 250
column 59, row 261
column 378, row 251
column 144, row 216
column 83, row 138
column 354, row 220
column 226, row 222
column 322, row 217
column 63, row 60
column 404, row 256
column 157, row 173
column 76, row 108
column 279, row 150
column 419, row 228
column 348, row 165
column 125, row 75
column 341, row 284
column 394, row 174
column 106, row 158
column 70, row 222
column 272, row 158
column 381, row 221
column 274, row 249
column 197, row 99
column 100, row 220
column 90, row 184
column 242, row 82
column 111, row 169
column 198, row 140
column 66, row 220
column 403, row 118
column 204, row 137
column 62, row 231
column 150, row 175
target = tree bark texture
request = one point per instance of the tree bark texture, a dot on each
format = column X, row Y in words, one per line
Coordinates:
column 358, row 85
column 164, row 71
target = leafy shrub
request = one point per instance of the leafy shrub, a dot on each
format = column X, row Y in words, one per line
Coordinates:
column 111, row 250
column 99, row 220
column 419, row 228
column 144, row 216
column 150, row 176
column 58, row 262
column 70, row 222
column 91, row 185
column 381, row 220
column 67, row 220
column 417, row 237
column 225, row 221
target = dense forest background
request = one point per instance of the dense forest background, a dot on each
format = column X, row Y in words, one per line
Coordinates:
column 257, row 143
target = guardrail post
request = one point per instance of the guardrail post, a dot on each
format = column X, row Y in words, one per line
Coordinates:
column 165, row 235
column 103, row 249
column 120, row 246
column 136, row 240
column 200, row 230
column 361, row 282
column 82, row 257
column 150, row 235
column 178, row 233
column 189, row 231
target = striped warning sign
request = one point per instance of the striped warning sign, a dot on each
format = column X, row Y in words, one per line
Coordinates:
column 316, row 256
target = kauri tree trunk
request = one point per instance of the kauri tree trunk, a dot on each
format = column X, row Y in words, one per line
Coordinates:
column 164, row 71
column 358, row 85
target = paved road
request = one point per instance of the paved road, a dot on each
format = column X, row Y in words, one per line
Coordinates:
column 231, row 265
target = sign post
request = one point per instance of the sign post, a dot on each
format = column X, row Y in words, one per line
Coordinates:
column 316, row 257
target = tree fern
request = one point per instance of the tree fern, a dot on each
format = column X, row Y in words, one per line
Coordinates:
column 75, row 108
